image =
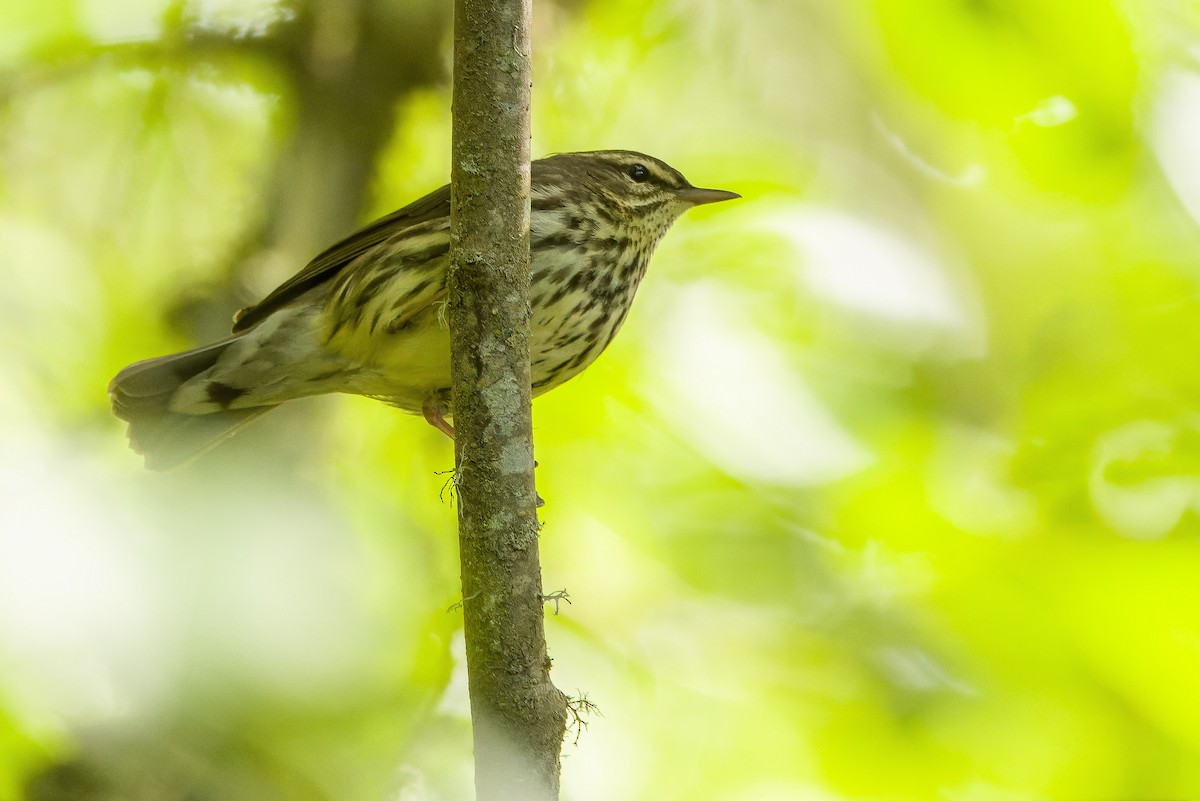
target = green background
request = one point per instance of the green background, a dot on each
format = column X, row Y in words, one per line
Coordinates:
column 887, row 490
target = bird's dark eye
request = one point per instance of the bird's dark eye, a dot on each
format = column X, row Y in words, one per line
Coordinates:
column 639, row 173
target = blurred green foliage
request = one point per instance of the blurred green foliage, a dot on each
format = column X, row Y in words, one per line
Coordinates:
column 888, row 489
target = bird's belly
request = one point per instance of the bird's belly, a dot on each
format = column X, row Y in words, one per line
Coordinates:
column 406, row 367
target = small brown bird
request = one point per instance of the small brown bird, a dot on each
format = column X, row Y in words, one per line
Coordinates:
column 366, row 316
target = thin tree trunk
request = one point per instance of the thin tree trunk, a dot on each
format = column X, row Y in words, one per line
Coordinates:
column 518, row 716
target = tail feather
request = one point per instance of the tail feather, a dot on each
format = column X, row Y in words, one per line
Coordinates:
column 141, row 395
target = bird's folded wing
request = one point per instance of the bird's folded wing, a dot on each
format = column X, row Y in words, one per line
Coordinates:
column 330, row 262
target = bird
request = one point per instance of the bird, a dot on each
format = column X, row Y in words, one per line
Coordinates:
column 367, row 315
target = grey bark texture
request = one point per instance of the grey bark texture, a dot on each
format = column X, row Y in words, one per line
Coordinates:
column 518, row 715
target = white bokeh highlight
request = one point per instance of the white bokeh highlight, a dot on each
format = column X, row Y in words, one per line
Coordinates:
column 1174, row 134
column 870, row 270
column 734, row 396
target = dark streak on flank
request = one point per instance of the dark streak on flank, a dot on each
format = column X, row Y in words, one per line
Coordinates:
column 559, row 294
column 547, row 202
column 370, row 289
column 580, row 358
column 338, row 322
column 579, row 279
column 418, row 289
column 556, row 372
column 223, row 394
column 564, row 341
column 421, row 258
column 557, row 241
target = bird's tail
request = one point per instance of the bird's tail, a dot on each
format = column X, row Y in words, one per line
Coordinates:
column 141, row 395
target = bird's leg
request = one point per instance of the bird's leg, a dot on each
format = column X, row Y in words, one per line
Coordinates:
column 434, row 412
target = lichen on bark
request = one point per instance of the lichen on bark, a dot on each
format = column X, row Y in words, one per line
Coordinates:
column 518, row 715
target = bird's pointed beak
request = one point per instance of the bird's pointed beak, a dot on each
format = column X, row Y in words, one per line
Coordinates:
column 698, row 197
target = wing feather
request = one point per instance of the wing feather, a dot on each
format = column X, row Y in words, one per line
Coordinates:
column 331, row 261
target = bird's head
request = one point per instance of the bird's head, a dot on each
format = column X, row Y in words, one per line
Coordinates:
column 625, row 187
